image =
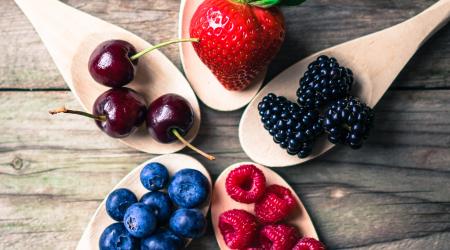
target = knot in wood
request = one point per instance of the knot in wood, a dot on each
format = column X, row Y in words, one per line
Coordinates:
column 17, row 163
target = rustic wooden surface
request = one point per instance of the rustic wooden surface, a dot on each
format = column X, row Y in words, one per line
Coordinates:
column 392, row 194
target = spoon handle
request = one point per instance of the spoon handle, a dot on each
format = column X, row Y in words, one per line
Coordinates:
column 424, row 25
column 388, row 51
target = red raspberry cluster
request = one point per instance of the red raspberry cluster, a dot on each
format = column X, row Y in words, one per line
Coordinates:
column 264, row 230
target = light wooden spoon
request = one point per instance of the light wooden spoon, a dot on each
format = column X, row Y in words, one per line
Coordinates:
column 100, row 220
column 375, row 60
column 222, row 202
column 71, row 35
column 202, row 80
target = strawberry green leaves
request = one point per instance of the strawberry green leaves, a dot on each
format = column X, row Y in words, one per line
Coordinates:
column 270, row 3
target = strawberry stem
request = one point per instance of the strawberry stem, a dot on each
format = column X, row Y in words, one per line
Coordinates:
column 269, row 3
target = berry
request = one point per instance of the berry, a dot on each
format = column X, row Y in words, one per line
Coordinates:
column 238, row 228
column 275, row 205
column 154, row 176
column 162, row 240
column 188, row 223
column 348, row 121
column 237, row 40
column 188, row 188
column 118, row 202
column 159, row 203
column 245, row 184
column 278, row 237
column 295, row 128
column 115, row 237
column 324, row 81
column 139, row 220
column 309, row 244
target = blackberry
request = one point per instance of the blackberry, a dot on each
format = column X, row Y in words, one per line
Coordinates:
column 323, row 82
column 293, row 127
column 348, row 121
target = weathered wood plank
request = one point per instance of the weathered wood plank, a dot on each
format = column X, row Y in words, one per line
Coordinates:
column 392, row 194
column 311, row 27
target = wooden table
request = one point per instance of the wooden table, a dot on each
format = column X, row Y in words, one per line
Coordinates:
column 392, row 194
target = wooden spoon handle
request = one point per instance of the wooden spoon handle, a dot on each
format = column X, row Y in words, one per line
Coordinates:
column 392, row 48
column 424, row 25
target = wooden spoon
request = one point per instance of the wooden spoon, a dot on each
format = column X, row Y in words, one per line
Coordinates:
column 375, row 60
column 71, row 35
column 222, row 202
column 100, row 220
column 202, row 80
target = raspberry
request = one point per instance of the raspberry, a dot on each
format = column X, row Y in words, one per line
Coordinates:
column 275, row 205
column 309, row 244
column 276, row 237
column 238, row 228
column 245, row 184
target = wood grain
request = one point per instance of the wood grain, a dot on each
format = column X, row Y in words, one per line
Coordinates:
column 314, row 26
column 392, row 194
column 366, row 56
column 54, row 171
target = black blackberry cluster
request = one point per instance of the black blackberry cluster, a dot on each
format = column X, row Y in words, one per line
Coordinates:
column 323, row 82
column 292, row 126
column 295, row 126
column 348, row 121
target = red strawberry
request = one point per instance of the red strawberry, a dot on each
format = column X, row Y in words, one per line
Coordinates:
column 275, row 205
column 245, row 184
column 238, row 228
column 237, row 40
column 309, row 244
column 276, row 237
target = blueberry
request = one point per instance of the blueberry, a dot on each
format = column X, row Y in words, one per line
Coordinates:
column 160, row 204
column 154, row 176
column 116, row 237
column 188, row 223
column 162, row 240
column 188, row 188
column 118, row 202
column 139, row 220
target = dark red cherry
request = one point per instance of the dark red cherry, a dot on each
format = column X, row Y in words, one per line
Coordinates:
column 110, row 63
column 169, row 112
column 124, row 110
column 170, row 117
column 113, row 63
column 118, row 112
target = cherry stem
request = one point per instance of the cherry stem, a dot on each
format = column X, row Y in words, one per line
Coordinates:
column 145, row 51
column 101, row 118
column 187, row 144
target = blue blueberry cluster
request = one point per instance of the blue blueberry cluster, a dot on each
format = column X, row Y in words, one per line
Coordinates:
column 324, row 104
column 159, row 220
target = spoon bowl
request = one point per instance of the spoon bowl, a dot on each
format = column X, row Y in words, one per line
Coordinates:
column 208, row 89
column 375, row 60
column 100, row 220
column 222, row 202
column 70, row 37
